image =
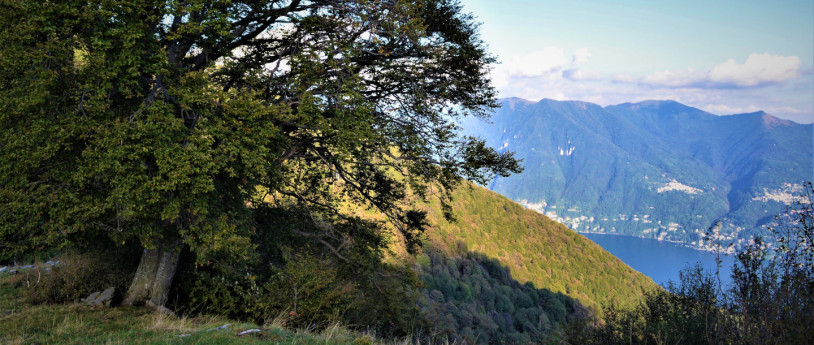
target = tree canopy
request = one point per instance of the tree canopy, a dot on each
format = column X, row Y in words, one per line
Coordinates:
column 168, row 122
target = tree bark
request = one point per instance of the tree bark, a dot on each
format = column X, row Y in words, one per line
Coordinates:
column 157, row 268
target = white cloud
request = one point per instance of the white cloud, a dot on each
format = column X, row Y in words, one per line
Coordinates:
column 558, row 78
column 500, row 76
column 539, row 63
column 786, row 110
column 534, row 94
column 677, row 78
column 757, row 70
column 723, row 109
column 559, row 96
column 580, row 75
column 596, row 99
column 581, row 55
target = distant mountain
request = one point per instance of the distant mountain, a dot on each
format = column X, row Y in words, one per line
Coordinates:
column 656, row 169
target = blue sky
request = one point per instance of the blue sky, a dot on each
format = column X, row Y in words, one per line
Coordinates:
column 724, row 57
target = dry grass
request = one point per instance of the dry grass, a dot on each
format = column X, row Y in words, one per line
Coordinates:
column 21, row 323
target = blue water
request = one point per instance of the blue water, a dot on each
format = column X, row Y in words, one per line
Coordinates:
column 659, row 260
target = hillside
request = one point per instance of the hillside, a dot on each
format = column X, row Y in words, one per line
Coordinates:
column 657, row 169
column 535, row 248
column 499, row 274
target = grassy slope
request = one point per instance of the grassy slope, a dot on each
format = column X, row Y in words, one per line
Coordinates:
column 535, row 248
column 77, row 324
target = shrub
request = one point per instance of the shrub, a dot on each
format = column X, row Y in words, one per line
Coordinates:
column 770, row 299
column 309, row 290
column 305, row 279
column 75, row 276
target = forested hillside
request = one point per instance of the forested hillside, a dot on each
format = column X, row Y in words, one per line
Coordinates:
column 474, row 299
column 535, row 248
column 501, row 273
column 658, row 169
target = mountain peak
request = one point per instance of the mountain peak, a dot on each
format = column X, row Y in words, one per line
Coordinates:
column 657, row 169
column 549, row 100
column 513, row 99
column 568, row 105
column 770, row 121
column 513, row 102
column 662, row 106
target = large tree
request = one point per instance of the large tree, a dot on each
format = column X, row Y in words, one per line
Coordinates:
column 167, row 122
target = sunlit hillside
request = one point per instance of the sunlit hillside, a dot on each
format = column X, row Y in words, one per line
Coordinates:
column 535, row 248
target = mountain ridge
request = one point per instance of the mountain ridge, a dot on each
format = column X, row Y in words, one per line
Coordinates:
column 515, row 100
column 615, row 163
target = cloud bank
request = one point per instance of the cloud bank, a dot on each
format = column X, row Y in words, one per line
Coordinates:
column 758, row 70
column 779, row 85
column 538, row 63
column 548, row 62
column 580, row 75
column 581, row 55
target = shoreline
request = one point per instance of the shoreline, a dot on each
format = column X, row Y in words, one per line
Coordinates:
column 682, row 244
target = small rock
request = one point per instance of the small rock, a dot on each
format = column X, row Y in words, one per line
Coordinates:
column 248, row 331
column 219, row 327
column 103, row 298
column 106, row 297
column 92, row 298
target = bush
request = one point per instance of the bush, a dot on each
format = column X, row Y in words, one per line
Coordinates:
column 299, row 281
column 75, row 276
column 770, row 300
column 309, row 291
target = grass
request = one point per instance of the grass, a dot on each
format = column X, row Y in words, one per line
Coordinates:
column 22, row 323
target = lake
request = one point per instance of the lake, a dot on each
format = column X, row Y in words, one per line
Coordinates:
column 660, row 260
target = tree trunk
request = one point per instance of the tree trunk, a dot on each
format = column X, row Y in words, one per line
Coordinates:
column 154, row 275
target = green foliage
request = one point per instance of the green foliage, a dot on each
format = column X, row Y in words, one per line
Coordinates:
column 686, row 313
column 310, row 289
column 770, row 300
column 387, row 302
column 535, row 248
column 75, row 276
column 473, row 299
column 23, row 323
column 158, row 122
column 310, row 283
